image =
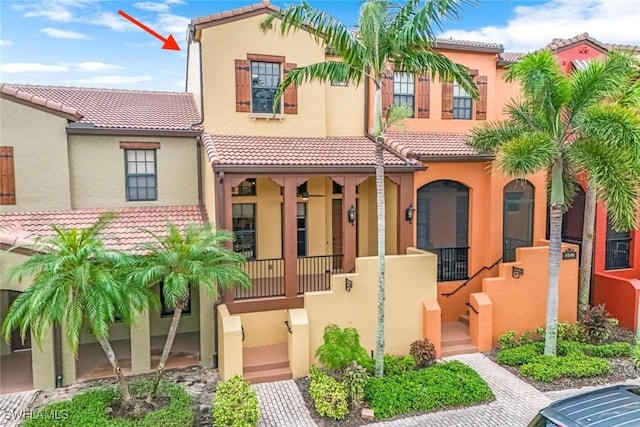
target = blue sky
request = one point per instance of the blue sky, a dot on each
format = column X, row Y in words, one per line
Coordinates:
column 86, row 42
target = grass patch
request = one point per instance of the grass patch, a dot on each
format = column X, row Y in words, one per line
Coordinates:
column 92, row 408
column 446, row 385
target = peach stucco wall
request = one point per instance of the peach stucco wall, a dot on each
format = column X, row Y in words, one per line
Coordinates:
column 520, row 304
column 410, row 282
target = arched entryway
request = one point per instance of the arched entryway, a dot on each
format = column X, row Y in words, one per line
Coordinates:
column 16, row 372
column 517, row 218
column 443, row 226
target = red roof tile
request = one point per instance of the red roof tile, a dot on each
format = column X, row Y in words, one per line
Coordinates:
column 22, row 228
column 120, row 108
column 44, row 104
column 561, row 43
column 431, row 144
column 290, row 151
column 230, row 15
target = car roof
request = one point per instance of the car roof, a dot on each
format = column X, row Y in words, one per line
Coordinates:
column 606, row 407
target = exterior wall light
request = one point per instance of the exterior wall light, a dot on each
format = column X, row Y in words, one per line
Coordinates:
column 348, row 285
column 408, row 214
column 351, row 215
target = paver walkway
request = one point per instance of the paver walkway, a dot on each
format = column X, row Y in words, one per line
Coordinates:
column 282, row 405
column 14, row 407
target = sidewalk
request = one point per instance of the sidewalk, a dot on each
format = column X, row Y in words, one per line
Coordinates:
column 15, row 407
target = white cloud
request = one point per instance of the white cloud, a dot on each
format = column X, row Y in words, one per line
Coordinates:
column 111, row 80
column 52, row 12
column 31, row 67
column 533, row 27
column 64, row 34
column 112, row 21
column 95, row 67
column 6, row 42
column 168, row 23
column 181, row 83
column 152, row 6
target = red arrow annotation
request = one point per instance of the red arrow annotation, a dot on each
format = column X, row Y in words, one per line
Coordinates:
column 169, row 42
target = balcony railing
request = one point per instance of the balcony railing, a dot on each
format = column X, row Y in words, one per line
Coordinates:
column 453, row 263
column 617, row 253
column 267, row 276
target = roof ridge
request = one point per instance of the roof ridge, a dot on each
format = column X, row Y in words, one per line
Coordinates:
column 46, row 104
column 96, row 88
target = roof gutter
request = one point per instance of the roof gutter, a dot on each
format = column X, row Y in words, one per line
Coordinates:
column 307, row 169
column 84, row 129
column 473, row 158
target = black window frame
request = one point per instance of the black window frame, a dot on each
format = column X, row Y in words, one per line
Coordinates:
column 301, row 228
column 404, row 89
column 133, row 176
column 245, row 237
column 462, row 103
column 264, row 83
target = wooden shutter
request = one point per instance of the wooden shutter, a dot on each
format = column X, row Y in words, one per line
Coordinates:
column 243, row 85
column 447, row 100
column 291, row 93
column 7, row 177
column 481, row 104
column 387, row 90
column 422, row 97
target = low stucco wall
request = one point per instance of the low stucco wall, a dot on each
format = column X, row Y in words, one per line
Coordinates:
column 410, row 281
column 264, row 328
column 521, row 304
column 619, row 295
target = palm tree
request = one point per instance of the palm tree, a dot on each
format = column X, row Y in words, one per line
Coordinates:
column 563, row 125
column 195, row 257
column 77, row 281
column 388, row 35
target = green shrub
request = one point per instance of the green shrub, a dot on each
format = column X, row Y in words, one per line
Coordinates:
column 616, row 349
column 519, row 355
column 445, row 385
column 508, row 340
column 90, row 409
column 596, row 323
column 423, row 353
column 340, row 347
column 355, row 378
column 329, row 396
column 235, row 404
column 566, row 331
column 635, row 355
column 393, row 365
column 549, row 368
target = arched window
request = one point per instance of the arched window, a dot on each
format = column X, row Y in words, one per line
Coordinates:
column 517, row 225
column 443, row 226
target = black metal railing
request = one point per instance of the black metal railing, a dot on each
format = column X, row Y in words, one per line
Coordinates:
column 453, row 263
column 510, row 245
column 314, row 272
column 466, row 282
column 617, row 253
column 267, row 278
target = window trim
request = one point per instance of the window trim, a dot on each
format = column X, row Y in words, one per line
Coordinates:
column 455, row 97
column 280, row 106
column 131, row 175
column 408, row 84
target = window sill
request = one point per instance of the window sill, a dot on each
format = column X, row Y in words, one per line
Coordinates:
column 267, row 117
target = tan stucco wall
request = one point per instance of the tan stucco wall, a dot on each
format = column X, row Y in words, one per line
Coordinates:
column 410, row 281
column 223, row 44
column 230, row 344
column 208, row 189
column 39, row 142
column 5, row 347
column 345, row 108
column 8, row 260
column 264, row 328
column 104, row 186
column 193, row 73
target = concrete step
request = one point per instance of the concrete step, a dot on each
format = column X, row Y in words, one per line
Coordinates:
column 265, row 357
column 464, row 318
column 265, row 376
column 453, row 350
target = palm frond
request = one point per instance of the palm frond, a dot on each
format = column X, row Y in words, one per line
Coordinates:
column 489, row 137
column 525, row 154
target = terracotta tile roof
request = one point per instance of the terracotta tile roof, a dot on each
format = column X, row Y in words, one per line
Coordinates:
column 624, row 47
column 217, row 18
column 121, row 108
column 22, row 228
column 468, row 45
column 419, row 145
column 510, row 57
column 45, row 104
column 290, row 151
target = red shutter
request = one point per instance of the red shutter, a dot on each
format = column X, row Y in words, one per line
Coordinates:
column 422, row 97
column 447, row 100
column 243, row 86
column 387, row 90
column 481, row 105
column 7, row 177
column 291, row 93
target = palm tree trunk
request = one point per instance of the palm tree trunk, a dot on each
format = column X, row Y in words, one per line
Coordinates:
column 111, row 355
column 165, row 351
column 586, row 256
column 555, row 231
column 380, row 199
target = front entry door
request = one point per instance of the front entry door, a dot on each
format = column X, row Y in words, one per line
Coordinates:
column 16, row 341
column 336, row 228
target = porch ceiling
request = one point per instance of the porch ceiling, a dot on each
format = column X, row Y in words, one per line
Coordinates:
column 292, row 152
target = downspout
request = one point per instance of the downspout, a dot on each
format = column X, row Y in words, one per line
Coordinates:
column 220, row 220
column 366, row 106
column 57, row 354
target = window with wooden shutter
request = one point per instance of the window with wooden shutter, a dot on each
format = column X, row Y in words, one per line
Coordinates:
column 387, row 91
column 243, row 86
column 447, row 100
column 7, row 177
column 290, row 96
column 422, row 97
column 481, row 104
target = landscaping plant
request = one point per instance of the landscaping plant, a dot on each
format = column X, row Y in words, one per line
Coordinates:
column 328, row 394
column 596, row 323
column 235, row 404
column 355, row 379
column 340, row 347
column 423, row 352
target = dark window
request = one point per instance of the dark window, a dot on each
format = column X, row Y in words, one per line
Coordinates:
column 617, row 248
column 244, row 229
column 301, row 191
column 245, row 188
column 517, row 222
column 265, row 78
column 168, row 311
column 141, row 175
column 403, row 89
column 462, row 103
column 301, row 221
column 337, row 188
